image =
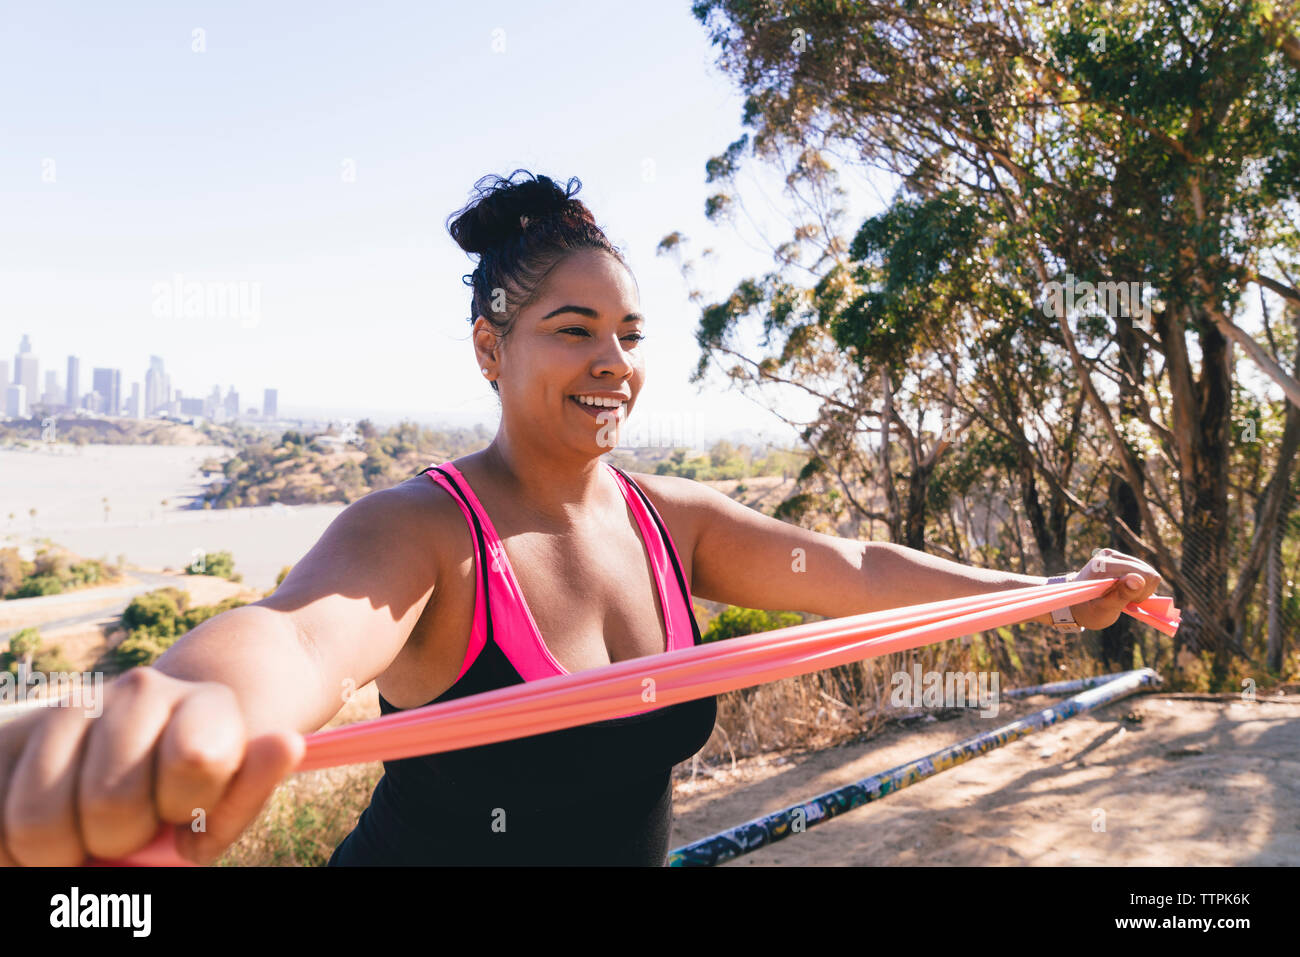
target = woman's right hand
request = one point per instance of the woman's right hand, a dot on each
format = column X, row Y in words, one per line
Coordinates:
column 163, row 750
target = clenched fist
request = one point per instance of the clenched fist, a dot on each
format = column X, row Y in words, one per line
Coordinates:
column 163, row 750
column 1137, row 582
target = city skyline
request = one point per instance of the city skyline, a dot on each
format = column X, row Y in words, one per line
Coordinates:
column 312, row 215
column 105, row 396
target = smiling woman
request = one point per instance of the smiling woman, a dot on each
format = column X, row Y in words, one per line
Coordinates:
column 529, row 559
column 556, row 332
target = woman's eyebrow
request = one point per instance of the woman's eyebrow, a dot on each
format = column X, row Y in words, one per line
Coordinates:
column 589, row 313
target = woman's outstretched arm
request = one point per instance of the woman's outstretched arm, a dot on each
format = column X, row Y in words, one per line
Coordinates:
column 743, row 557
column 337, row 620
column 205, row 735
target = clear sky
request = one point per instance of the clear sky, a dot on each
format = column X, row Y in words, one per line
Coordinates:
column 313, row 151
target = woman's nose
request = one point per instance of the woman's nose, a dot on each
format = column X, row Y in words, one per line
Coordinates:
column 613, row 357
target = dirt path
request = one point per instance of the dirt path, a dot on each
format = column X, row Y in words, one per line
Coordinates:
column 1189, row 782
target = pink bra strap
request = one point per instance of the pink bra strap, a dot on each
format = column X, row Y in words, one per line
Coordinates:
column 482, row 626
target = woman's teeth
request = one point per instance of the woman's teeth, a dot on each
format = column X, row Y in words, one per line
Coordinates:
column 599, row 405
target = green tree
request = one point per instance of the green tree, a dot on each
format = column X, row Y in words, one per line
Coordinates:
column 1093, row 145
column 11, row 571
column 35, row 586
column 156, row 620
column 220, row 564
column 24, row 644
column 156, row 612
column 735, row 622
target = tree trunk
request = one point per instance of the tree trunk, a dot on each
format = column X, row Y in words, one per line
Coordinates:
column 1117, row 640
column 1204, row 560
column 1049, row 538
column 1276, row 633
column 918, row 486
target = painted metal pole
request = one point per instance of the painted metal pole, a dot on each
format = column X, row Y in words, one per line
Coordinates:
column 1064, row 687
column 796, row 819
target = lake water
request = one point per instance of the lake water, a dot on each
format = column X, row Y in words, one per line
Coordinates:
column 67, row 485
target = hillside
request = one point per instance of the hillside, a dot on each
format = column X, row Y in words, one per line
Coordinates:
column 114, row 431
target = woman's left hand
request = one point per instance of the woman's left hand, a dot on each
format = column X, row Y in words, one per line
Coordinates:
column 1137, row 582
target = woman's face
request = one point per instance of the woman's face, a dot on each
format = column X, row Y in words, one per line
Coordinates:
column 577, row 338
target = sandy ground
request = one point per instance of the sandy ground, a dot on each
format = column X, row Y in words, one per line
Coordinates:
column 67, row 485
column 1172, row 781
column 1180, row 782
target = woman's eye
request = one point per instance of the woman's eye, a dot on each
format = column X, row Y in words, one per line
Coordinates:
column 635, row 336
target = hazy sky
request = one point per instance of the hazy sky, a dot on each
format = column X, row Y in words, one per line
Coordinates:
column 312, row 153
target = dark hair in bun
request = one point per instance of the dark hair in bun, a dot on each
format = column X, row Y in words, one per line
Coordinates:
column 520, row 231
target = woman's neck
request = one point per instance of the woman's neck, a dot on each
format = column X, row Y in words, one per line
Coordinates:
column 565, row 491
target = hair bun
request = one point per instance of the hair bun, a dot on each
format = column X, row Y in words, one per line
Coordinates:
column 504, row 209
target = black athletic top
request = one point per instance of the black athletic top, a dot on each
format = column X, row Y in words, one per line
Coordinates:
column 598, row 793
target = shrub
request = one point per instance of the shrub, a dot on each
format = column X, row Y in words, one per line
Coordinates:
column 220, row 564
column 38, row 585
column 155, row 621
column 11, row 570
column 736, row 622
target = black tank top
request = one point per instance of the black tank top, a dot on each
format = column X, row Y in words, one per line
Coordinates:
column 596, row 794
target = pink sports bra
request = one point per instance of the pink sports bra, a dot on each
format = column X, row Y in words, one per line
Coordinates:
column 515, row 630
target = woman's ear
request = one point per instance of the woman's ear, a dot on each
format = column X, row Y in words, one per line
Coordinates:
column 486, row 344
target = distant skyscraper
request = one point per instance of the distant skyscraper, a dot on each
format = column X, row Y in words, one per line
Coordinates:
column 157, row 387
column 52, row 398
column 232, row 403
column 133, row 403
column 27, row 371
column 108, row 383
column 212, row 403
column 4, row 375
column 74, row 381
column 269, row 400
column 16, row 401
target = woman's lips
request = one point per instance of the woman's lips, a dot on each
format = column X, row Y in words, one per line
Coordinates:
column 595, row 411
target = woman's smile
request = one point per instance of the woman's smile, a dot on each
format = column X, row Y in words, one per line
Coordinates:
column 601, row 411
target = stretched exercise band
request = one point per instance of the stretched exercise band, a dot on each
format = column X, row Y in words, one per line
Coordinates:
column 760, row 832
column 683, row 674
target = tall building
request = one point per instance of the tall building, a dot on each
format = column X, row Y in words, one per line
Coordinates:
column 4, row 375
column 16, row 402
column 157, row 387
column 27, row 371
column 74, row 382
column 108, row 383
column 232, row 403
column 52, row 398
column 133, row 403
column 212, row 404
column 270, row 399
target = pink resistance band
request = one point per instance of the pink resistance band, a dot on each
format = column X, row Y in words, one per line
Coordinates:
column 667, row 678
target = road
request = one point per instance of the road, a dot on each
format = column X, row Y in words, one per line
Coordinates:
column 121, row 596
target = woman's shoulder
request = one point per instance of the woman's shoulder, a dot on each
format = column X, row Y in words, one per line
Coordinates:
column 667, row 491
column 676, row 499
column 419, row 506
